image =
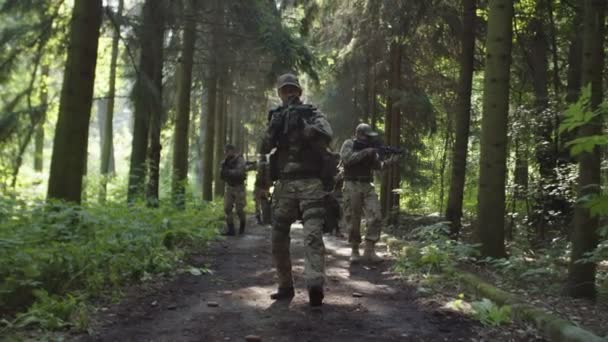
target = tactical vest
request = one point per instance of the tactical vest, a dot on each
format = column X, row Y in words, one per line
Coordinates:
column 231, row 164
column 296, row 157
column 361, row 172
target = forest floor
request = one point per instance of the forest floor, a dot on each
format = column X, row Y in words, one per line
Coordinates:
column 230, row 302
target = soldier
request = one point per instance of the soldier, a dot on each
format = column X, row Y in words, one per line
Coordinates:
column 233, row 173
column 301, row 136
column 359, row 192
column 261, row 193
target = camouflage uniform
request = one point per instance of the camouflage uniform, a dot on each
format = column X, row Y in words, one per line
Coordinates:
column 261, row 193
column 233, row 173
column 299, row 190
column 359, row 193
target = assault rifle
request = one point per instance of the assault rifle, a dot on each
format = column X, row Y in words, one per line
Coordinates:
column 289, row 118
column 384, row 151
column 251, row 165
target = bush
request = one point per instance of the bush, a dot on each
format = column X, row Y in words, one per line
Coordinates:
column 53, row 253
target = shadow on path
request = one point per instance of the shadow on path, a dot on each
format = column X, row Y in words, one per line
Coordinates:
column 234, row 302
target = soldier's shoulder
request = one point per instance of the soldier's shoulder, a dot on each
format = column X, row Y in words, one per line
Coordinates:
column 274, row 111
column 348, row 142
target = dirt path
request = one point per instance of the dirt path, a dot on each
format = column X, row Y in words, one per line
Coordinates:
column 242, row 280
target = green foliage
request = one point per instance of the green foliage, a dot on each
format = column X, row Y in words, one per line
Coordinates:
column 438, row 253
column 50, row 252
column 490, row 314
column 54, row 312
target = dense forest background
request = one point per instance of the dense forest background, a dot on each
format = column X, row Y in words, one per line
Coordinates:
column 114, row 114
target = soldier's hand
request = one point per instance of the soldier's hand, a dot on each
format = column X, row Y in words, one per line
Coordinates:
column 370, row 152
column 394, row 159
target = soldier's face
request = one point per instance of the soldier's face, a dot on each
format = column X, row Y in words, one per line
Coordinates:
column 362, row 137
column 288, row 91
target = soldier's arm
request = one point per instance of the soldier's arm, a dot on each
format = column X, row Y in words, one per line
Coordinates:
column 349, row 155
column 239, row 169
column 318, row 127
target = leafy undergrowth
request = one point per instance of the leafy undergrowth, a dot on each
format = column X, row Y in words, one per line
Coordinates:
column 56, row 257
column 430, row 258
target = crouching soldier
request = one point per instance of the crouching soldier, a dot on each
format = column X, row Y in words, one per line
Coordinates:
column 233, row 172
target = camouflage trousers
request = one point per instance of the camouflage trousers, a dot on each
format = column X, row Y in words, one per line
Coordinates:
column 234, row 196
column 361, row 198
column 290, row 198
column 259, row 196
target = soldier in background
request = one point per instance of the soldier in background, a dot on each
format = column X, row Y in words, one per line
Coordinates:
column 360, row 160
column 300, row 135
column 233, row 173
column 261, row 193
column 334, row 218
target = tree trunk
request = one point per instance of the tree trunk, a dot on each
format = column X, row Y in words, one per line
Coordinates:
column 39, row 137
column 493, row 157
column 575, row 56
column 392, row 135
column 220, row 135
column 395, row 140
column 72, row 130
column 581, row 275
column 152, row 198
column 107, row 137
column 462, row 119
column 182, row 120
column 209, row 162
column 545, row 156
column 147, row 96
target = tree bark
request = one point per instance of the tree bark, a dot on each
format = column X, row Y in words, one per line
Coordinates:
column 72, row 130
column 182, row 120
column 462, row 118
column 147, row 95
column 107, row 136
column 154, row 151
column 209, row 162
column 392, row 133
column 493, row 157
column 39, row 137
column 220, row 134
column 585, row 237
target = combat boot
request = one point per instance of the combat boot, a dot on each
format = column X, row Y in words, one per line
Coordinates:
column 315, row 296
column 369, row 253
column 354, row 254
column 230, row 230
column 283, row 293
column 242, row 227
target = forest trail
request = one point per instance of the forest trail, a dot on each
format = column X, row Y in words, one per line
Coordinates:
column 234, row 302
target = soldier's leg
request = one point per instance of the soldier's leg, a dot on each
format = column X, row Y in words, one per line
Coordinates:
column 313, row 217
column 373, row 216
column 354, row 205
column 240, row 201
column 228, row 205
column 257, row 199
column 284, row 208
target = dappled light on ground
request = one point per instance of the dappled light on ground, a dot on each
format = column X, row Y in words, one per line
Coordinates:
column 362, row 302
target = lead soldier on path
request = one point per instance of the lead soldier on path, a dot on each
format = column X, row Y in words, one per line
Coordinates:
column 300, row 135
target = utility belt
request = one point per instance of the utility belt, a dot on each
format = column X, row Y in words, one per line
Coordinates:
column 298, row 175
column 235, row 184
column 361, row 179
